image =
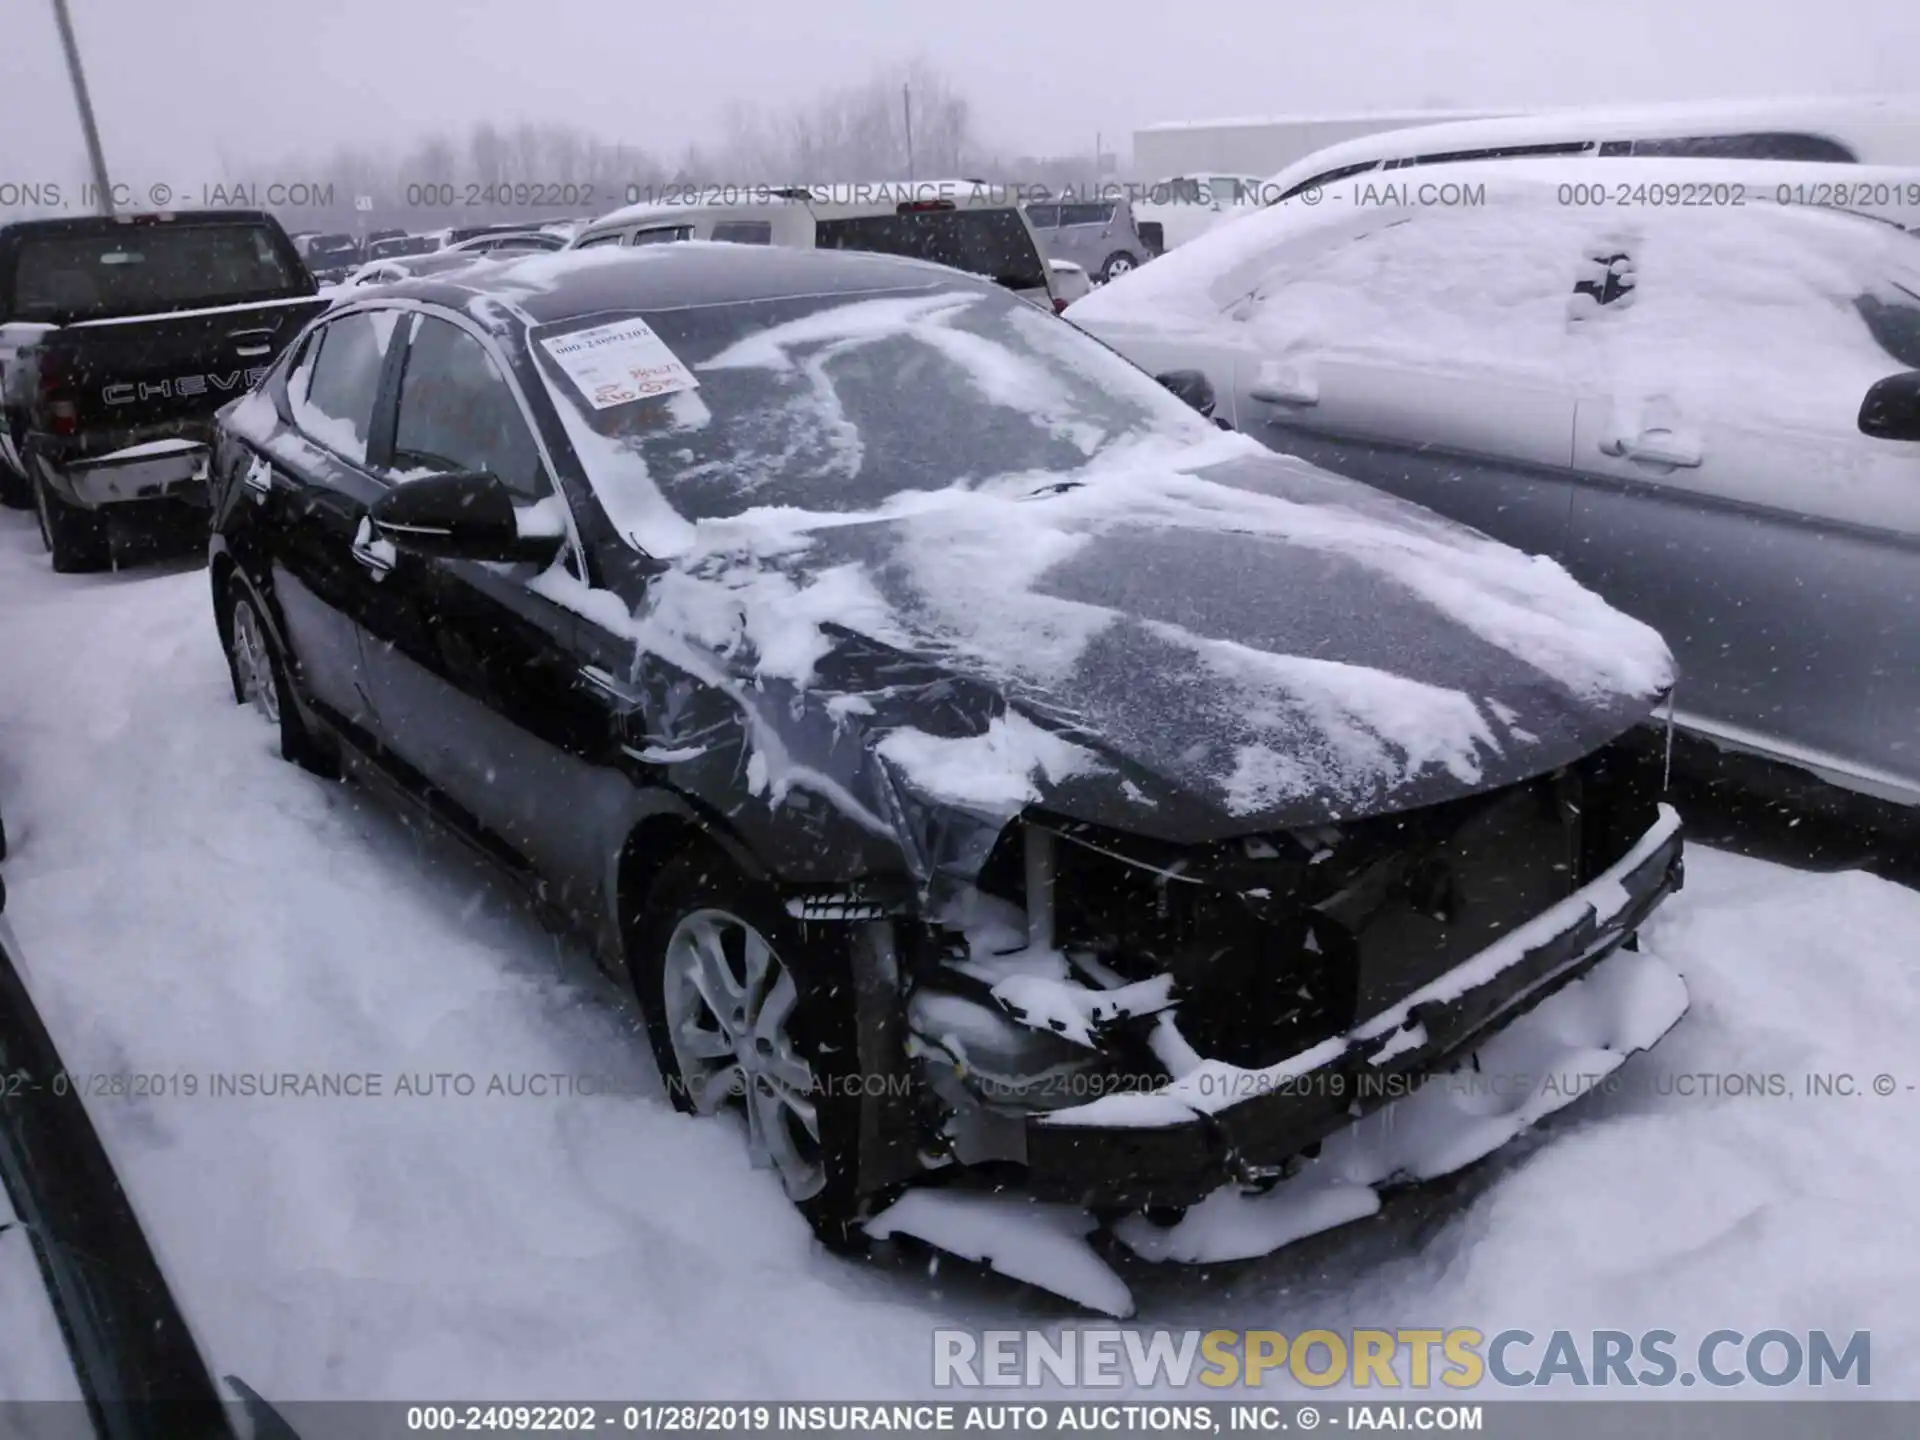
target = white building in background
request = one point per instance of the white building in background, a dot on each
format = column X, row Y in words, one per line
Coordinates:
column 1260, row 147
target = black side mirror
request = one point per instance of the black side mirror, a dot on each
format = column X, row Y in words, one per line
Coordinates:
column 468, row 515
column 1191, row 386
column 1891, row 410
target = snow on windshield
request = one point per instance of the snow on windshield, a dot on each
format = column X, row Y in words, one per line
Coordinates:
column 942, row 472
column 844, row 405
column 1751, row 313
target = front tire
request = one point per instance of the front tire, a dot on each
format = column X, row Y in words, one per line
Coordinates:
column 75, row 537
column 749, row 1011
column 259, row 675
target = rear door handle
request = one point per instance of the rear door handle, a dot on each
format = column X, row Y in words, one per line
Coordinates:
column 1657, row 448
column 1285, row 382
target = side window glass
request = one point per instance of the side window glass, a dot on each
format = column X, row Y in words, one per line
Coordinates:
column 1328, row 177
column 663, row 236
column 1763, row 145
column 338, row 380
column 744, row 232
column 614, row 238
column 1043, row 217
column 457, row 413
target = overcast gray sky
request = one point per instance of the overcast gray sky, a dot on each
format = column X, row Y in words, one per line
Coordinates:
column 181, row 86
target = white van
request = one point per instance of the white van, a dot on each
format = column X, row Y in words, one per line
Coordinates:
column 970, row 225
column 1185, row 207
column 1864, row 130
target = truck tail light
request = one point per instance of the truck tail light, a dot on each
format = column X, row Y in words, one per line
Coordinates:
column 56, row 397
column 1059, row 305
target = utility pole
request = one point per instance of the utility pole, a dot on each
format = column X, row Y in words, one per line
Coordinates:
column 906, row 101
column 102, row 189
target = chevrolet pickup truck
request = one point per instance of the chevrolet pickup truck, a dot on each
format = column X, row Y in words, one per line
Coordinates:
column 120, row 336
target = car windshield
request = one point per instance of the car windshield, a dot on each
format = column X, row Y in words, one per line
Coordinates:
column 331, row 247
column 399, row 245
column 837, row 404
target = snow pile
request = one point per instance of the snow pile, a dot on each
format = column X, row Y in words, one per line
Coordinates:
column 1044, row 1245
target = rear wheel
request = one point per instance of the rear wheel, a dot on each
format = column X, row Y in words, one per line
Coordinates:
column 260, row 679
column 76, row 537
column 750, row 1013
column 1118, row 264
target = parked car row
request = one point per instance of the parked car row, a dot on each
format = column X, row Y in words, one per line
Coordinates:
column 337, row 258
column 114, row 355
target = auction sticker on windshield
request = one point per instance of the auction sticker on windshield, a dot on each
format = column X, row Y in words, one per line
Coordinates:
column 619, row 363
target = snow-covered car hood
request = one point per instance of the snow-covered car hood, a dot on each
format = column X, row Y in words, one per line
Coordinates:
column 1178, row 652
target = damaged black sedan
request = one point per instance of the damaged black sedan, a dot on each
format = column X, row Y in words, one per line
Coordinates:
column 985, row 770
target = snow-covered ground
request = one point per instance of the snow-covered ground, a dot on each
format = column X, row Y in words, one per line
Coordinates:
column 192, row 906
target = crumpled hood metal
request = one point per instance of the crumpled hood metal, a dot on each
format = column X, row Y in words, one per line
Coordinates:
column 1198, row 672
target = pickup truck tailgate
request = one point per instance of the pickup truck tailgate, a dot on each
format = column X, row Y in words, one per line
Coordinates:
column 152, row 377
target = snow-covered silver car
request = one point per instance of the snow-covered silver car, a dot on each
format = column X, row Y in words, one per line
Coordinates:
column 1691, row 382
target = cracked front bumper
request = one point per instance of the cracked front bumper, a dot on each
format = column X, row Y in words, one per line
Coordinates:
column 1220, row 1124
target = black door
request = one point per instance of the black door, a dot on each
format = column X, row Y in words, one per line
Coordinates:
column 316, row 483
column 488, row 692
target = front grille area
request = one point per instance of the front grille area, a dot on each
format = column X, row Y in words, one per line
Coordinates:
column 1278, row 942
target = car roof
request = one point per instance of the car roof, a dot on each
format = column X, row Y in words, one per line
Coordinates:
column 1783, row 182
column 675, row 212
column 1837, row 119
column 95, row 224
column 1212, row 270
column 561, row 284
column 840, row 201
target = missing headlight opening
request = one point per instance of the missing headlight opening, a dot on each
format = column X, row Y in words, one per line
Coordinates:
column 1086, row 965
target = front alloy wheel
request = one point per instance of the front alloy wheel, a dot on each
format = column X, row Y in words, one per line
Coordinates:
column 260, row 679
column 253, row 663
column 729, row 1002
column 745, row 1007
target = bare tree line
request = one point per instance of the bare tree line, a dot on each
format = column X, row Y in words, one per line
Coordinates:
column 549, row 170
